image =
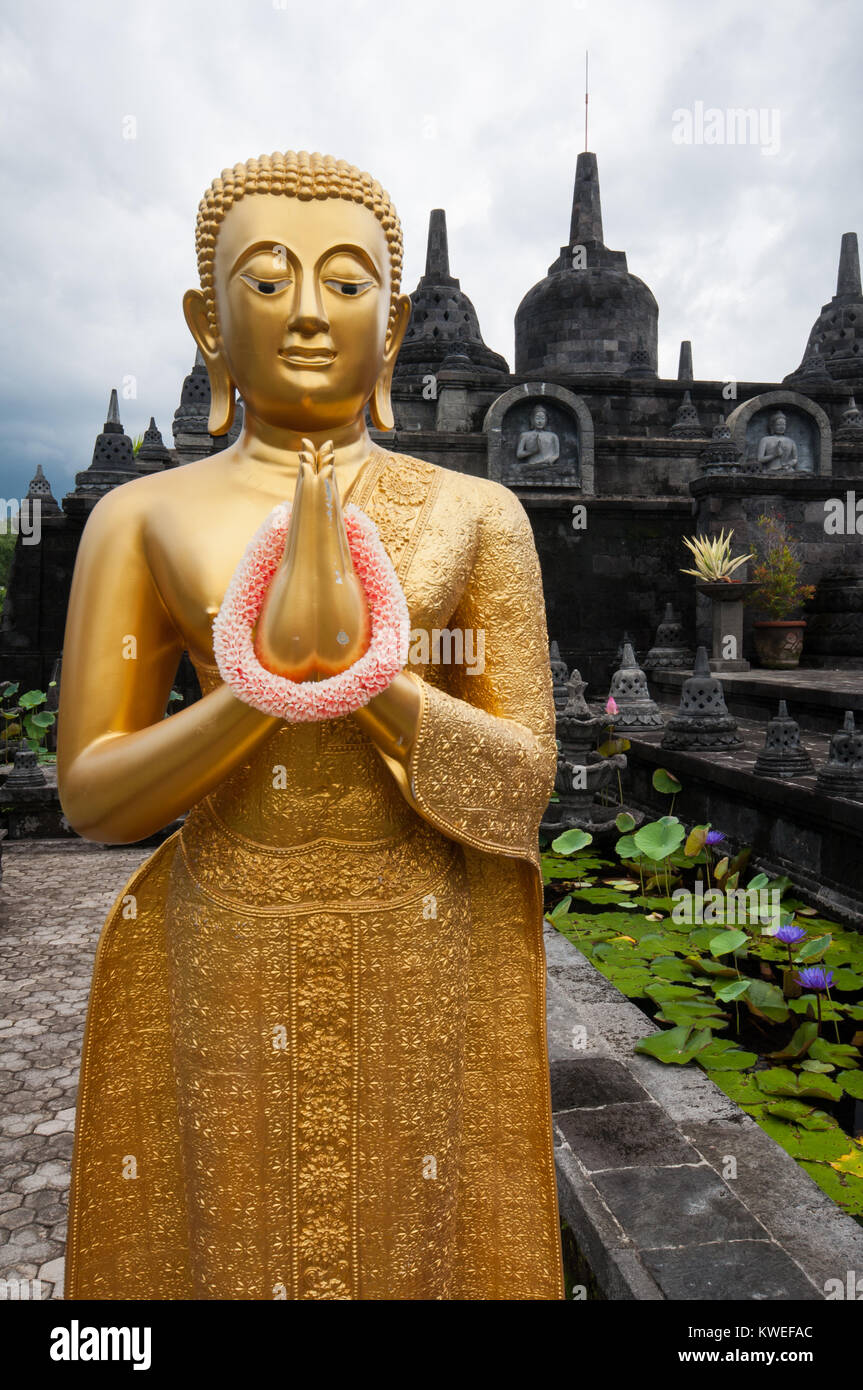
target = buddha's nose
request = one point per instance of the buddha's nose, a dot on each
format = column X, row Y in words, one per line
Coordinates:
column 307, row 311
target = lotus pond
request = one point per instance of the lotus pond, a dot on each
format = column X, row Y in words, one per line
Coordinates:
column 744, row 978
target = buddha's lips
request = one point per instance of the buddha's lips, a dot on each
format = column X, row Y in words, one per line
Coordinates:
column 308, row 357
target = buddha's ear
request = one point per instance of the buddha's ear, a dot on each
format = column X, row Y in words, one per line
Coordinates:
column 221, row 385
column 380, row 405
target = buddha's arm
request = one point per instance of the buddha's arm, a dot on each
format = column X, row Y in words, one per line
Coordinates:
column 481, row 763
column 124, row 771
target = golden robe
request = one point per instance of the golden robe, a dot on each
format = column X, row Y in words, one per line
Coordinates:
column 314, row 1063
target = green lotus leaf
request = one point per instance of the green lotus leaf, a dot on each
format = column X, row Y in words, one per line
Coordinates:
column 727, row 941
column 658, row 839
column 724, row 1055
column 666, row 782
column 766, row 1001
column 624, row 821
column 781, row 1081
column 798, row 1112
column 811, row 950
column 671, row 968
column 732, row 990
column 846, row 980
column 678, row 1045
column 571, row 841
column 852, row 1083
column 801, row 1041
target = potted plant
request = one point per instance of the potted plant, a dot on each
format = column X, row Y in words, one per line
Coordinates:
column 715, row 565
column 716, row 575
column 778, row 594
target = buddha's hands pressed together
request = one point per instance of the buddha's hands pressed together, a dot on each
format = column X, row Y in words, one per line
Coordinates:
column 314, row 621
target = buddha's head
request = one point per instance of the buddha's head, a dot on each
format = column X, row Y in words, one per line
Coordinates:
column 776, row 423
column 540, row 419
column 299, row 309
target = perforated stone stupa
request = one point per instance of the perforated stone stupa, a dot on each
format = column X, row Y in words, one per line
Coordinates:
column 670, row 649
column 782, row 754
column 636, row 709
column 842, row 774
column 702, row 721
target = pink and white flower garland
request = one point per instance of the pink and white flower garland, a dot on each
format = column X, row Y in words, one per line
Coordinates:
column 300, row 702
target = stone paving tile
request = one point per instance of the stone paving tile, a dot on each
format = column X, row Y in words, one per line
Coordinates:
column 54, row 898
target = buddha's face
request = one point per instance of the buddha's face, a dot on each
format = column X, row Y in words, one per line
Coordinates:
column 303, row 300
column 777, row 424
column 540, row 419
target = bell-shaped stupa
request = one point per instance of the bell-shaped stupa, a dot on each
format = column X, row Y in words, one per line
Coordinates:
column 782, row 754
column 589, row 315
column 669, row 650
column 636, row 710
column 702, row 721
column 443, row 321
column 842, row 774
column 834, row 351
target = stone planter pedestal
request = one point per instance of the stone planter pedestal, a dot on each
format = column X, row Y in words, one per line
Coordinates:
column 727, row 602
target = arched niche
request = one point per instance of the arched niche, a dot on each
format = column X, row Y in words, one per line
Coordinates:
column 510, row 418
column 805, row 423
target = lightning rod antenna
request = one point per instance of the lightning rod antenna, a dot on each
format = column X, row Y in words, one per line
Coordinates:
column 585, row 99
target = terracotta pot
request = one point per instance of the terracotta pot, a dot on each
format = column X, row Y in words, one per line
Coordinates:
column 779, row 643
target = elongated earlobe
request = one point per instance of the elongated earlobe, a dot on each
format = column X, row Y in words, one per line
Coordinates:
column 222, row 389
column 222, row 397
column 380, row 405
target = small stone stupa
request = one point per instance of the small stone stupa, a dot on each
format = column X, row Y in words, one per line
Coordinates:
column 559, row 675
column 152, row 456
column 702, row 721
column 637, row 711
column 721, row 455
column 669, row 648
column 26, row 774
column 851, row 423
column 578, row 726
column 842, row 774
column 686, row 422
column 782, row 754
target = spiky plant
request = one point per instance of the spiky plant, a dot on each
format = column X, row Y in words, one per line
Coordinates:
column 713, row 558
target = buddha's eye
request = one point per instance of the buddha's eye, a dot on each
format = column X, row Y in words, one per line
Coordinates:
column 265, row 286
column 349, row 288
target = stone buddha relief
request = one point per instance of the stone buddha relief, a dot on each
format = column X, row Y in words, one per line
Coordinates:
column 541, row 445
column 538, row 445
column 777, row 452
column 781, row 441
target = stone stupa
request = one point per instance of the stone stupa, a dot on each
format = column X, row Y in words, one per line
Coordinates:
column 702, row 722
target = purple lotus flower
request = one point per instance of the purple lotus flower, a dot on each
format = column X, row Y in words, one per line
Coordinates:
column 714, row 837
column 789, row 934
column 815, row 977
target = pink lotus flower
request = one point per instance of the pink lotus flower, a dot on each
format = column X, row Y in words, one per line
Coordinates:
column 611, row 706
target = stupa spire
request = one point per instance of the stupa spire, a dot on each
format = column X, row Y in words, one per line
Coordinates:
column 113, row 416
column 437, row 252
column 585, row 225
column 848, row 279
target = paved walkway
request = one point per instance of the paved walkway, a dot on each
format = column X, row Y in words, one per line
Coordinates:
column 53, row 900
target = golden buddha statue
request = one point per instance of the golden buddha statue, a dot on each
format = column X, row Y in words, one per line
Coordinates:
column 315, row 1061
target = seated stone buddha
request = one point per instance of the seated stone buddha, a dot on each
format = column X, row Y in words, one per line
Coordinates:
column 314, row 1064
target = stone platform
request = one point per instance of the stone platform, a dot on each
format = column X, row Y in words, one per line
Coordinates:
column 816, row 699
column 54, row 898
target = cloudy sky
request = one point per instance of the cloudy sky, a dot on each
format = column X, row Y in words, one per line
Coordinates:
column 472, row 105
